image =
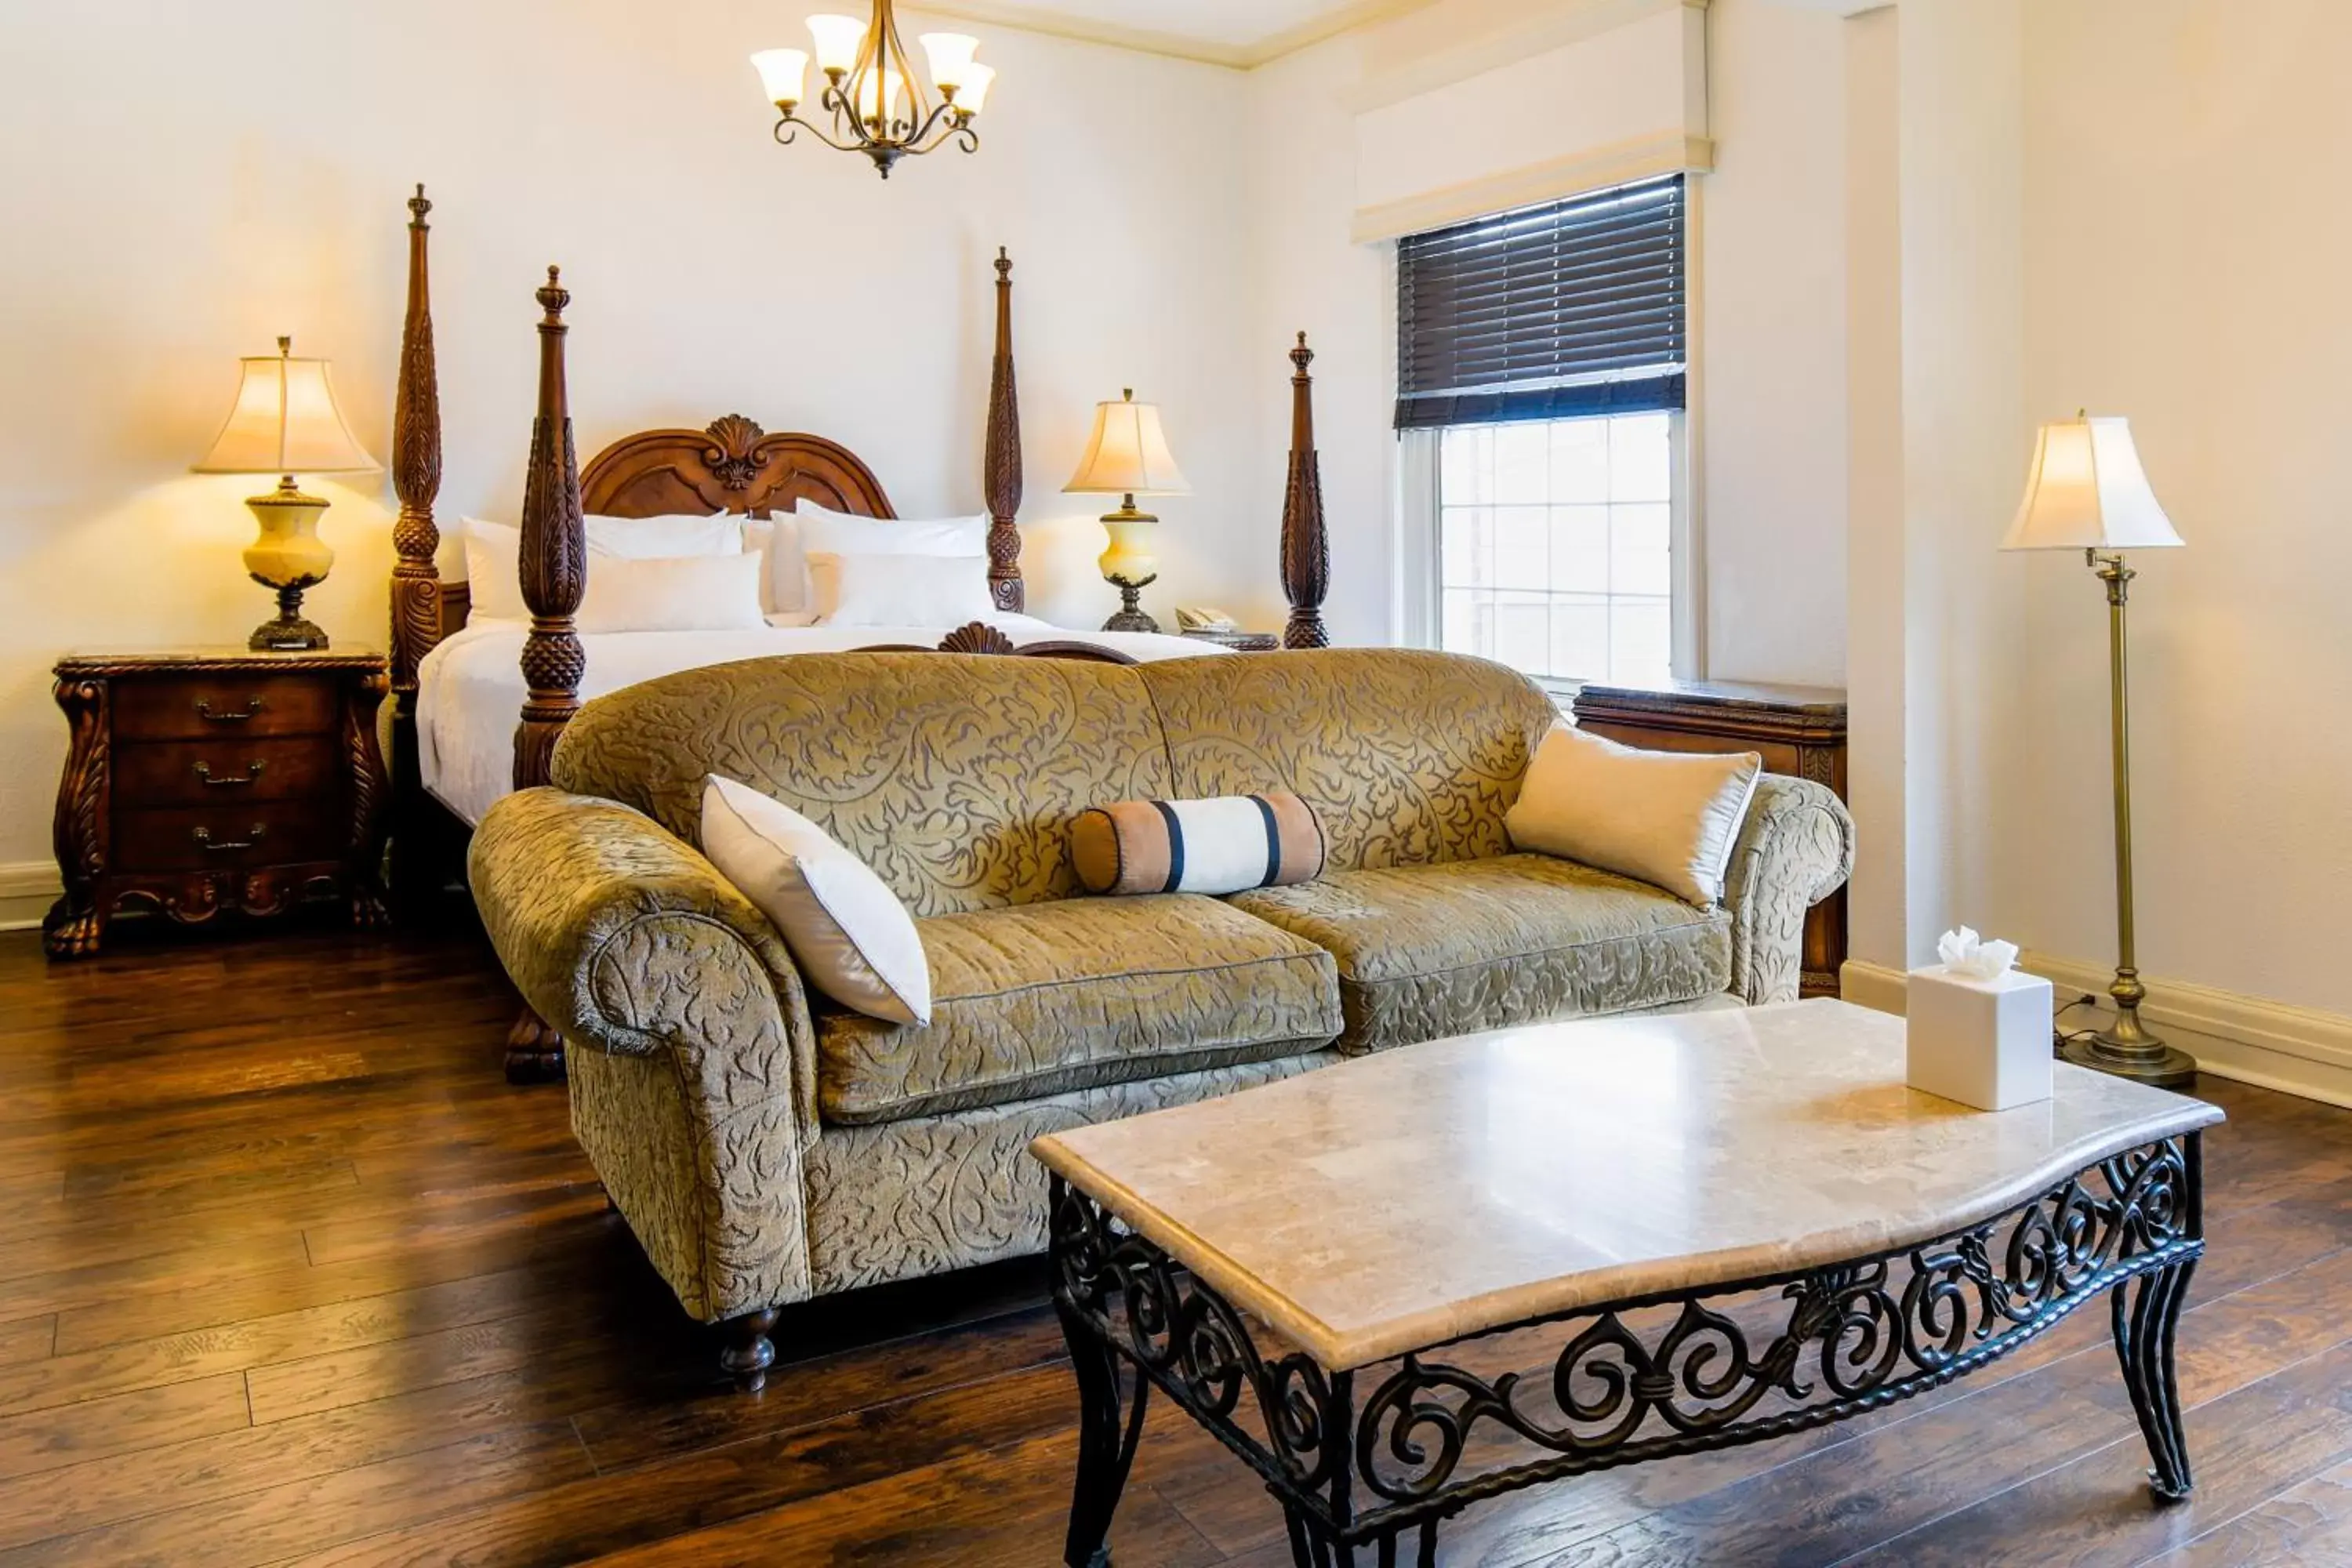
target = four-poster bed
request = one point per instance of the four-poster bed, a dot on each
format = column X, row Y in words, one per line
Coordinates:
column 733, row 465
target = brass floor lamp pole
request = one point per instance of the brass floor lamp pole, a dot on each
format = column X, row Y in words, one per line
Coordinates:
column 2086, row 491
column 2125, row 1047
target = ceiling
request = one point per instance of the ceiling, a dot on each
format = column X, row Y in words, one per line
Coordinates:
column 1241, row 33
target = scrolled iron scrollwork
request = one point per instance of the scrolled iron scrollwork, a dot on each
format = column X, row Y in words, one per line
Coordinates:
column 1779, row 1354
column 1188, row 1340
column 1869, row 1332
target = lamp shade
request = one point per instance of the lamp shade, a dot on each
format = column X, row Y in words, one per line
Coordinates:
column 286, row 421
column 1129, row 454
column 2087, row 491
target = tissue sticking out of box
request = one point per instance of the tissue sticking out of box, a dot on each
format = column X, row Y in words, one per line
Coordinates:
column 1965, row 952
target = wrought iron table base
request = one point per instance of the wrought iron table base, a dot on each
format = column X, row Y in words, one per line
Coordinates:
column 1380, row 1477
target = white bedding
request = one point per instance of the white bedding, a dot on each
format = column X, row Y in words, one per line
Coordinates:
column 469, row 690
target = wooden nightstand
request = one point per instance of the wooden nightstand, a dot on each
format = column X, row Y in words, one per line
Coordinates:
column 1239, row 642
column 214, row 779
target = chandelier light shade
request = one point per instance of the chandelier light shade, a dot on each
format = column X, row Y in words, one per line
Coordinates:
column 873, row 101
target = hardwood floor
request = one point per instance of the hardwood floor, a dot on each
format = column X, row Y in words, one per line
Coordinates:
column 288, row 1275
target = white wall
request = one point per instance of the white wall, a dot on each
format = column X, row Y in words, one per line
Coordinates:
column 188, row 182
column 2184, row 257
column 1772, row 345
column 1772, row 357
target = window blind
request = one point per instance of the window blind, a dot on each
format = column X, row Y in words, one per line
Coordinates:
column 1548, row 312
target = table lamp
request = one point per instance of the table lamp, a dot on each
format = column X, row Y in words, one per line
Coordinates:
column 285, row 422
column 2086, row 491
column 1128, row 457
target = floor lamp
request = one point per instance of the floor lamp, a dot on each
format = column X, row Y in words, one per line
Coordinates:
column 2086, row 491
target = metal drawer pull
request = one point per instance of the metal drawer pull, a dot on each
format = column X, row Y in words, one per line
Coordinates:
column 204, row 837
column 252, row 776
column 204, row 711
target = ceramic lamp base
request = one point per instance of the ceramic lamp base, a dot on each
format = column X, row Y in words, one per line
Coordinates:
column 289, row 557
column 1130, row 616
column 289, row 633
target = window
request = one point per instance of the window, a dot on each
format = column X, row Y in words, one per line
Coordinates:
column 1555, row 545
column 1540, row 392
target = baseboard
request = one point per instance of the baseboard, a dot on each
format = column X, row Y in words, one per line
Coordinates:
column 1871, row 985
column 2272, row 1045
column 27, row 888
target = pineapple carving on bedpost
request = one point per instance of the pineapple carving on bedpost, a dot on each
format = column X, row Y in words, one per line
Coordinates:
column 1000, row 474
column 553, row 568
column 415, row 584
column 1306, row 549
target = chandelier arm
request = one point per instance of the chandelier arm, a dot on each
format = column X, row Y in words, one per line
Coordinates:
column 914, row 142
column 811, row 128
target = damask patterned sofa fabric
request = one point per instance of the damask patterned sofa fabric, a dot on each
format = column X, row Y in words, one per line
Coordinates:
column 1425, row 951
column 954, row 778
column 1407, row 758
column 1043, row 998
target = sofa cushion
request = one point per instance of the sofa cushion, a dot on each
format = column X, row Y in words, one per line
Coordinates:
column 1426, row 952
column 1043, row 998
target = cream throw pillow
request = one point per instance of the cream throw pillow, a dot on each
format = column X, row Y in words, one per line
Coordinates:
column 1668, row 818
column 846, row 928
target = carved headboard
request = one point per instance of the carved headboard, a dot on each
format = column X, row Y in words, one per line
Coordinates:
column 733, row 465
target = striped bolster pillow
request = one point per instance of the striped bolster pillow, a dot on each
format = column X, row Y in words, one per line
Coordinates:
column 1219, row 845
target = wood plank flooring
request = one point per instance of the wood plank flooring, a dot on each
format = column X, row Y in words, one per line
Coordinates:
column 288, row 1275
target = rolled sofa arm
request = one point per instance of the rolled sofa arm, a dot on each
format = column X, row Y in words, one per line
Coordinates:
column 1795, row 849
column 696, row 1093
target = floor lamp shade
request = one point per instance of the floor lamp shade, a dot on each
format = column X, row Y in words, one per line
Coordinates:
column 2086, row 490
column 286, row 422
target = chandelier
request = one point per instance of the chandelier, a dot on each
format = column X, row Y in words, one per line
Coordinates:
column 878, row 104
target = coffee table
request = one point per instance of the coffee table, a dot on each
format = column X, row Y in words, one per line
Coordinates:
column 1711, row 1229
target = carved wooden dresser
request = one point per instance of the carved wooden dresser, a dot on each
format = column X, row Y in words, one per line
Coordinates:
column 202, row 781
column 1799, row 730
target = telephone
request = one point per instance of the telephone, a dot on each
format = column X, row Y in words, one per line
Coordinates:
column 1204, row 618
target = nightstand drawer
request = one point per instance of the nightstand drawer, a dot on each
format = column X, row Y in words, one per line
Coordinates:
column 199, row 838
column 192, row 707
column 227, row 772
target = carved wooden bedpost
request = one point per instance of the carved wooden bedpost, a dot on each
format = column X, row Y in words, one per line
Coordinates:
column 553, row 567
column 1306, row 552
column 1001, row 477
column 415, row 585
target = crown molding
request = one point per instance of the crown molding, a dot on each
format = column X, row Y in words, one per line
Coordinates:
column 1442, row 68
column 1174, row 46
column 1620, row 162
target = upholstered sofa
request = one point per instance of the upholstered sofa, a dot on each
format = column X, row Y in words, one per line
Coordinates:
column 766, row 1147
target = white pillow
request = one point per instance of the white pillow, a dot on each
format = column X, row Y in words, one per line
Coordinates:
column 495, row 589
column 840, row 533
column 494, row 548
column 846, row 928
column 666, row 538
column 899, row 590
column 685, row 593
column 1669, row 819
column 777, row 541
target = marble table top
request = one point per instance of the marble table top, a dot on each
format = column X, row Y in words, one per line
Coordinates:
column 1399, row 1200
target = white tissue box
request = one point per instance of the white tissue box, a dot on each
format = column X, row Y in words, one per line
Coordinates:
column 1984, row 1043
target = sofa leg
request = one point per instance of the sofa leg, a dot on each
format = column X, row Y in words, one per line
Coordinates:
column 535, row 1051
column 749, row 1353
